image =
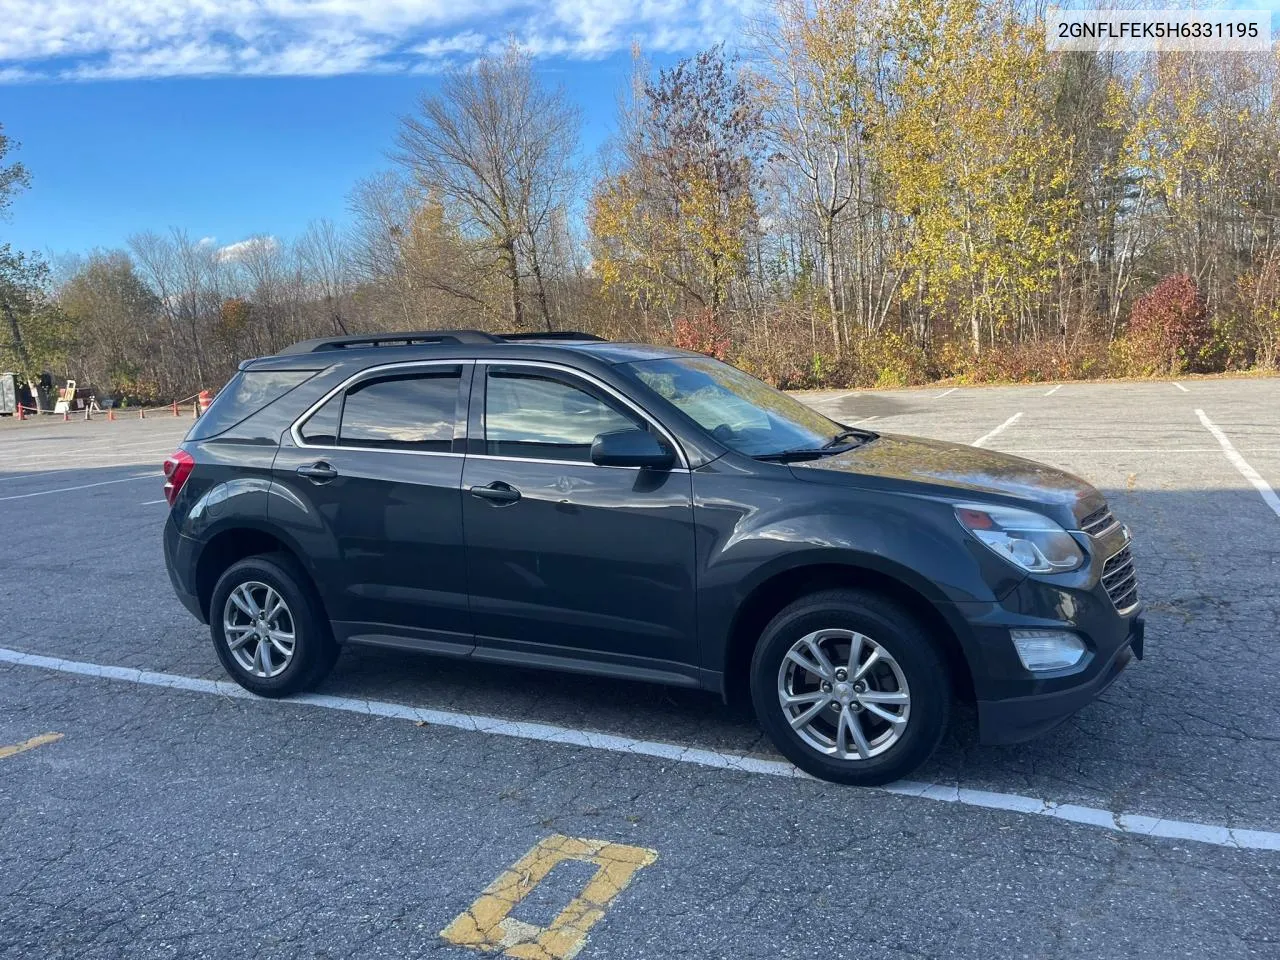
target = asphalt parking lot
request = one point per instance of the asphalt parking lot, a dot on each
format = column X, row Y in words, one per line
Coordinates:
column 420, row 807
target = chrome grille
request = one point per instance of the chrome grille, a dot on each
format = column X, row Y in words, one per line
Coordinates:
column 1120, row 580
column 1098, row 522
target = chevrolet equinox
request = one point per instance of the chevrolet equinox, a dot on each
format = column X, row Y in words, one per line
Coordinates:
column 564, row 502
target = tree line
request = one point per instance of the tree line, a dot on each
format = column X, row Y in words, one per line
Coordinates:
column 862, row 193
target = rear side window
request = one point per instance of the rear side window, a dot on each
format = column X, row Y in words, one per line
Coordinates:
column 322, row 426
column 244, row 395
column 415, row 411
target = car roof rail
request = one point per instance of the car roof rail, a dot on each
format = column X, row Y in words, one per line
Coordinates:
column 413, row 338
column 552, row 335
column 394, row 339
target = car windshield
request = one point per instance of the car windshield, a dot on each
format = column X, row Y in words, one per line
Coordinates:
column 744, row 414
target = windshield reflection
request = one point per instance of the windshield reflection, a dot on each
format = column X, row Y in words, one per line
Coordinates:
column 744, row 414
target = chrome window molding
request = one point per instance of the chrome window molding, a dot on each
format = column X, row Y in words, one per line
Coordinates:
column 560, row 463
column 407, row 366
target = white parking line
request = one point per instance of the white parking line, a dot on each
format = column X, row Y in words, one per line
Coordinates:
column 1023, row 451
column 1240, row 463
column 997, row 431
column 84, row 452
column 945, row 392
column 1050, row 393
column 83, row 486
column 147, row 503
column 23, row 476
column 1182, row 388
column 550, row 733
column 99, row 462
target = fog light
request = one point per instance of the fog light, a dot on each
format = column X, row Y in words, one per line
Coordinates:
column 1042, row 650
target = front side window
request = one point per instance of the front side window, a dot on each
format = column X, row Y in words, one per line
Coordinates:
column 746, row 415
column 413, row 411
column 539, row 415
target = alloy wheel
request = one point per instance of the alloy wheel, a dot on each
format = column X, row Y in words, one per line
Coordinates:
column 844, row 694
column 258, row 629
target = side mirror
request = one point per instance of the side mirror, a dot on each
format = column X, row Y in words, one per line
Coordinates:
column 631, row 448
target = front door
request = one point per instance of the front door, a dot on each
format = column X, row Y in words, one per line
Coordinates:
column 569, row 561
column 372, row 495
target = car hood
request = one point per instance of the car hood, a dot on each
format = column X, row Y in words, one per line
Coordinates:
column 954, row 466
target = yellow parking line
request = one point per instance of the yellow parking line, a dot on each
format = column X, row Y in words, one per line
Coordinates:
column 40, row 741
column 488, row 926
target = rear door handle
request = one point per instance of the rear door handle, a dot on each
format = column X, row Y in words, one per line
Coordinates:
column 318, row 472
column 496, row 492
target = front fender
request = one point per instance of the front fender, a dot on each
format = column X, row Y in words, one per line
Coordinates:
column 751, row 531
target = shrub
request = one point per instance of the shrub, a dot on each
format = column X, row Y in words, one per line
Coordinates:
column 1031, row 361
column 889, row 359
column 1169, row 329
column 1256, row 314
column 701, row 332
column 1231, row 344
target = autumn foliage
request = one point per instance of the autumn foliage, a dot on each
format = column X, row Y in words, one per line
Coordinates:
column 1169, row 328
column 703, row 333
column 856, row 194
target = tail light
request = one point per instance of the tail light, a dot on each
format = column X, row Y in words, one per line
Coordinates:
column 176, row 470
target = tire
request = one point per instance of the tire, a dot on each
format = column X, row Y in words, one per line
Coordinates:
column 313, row 650
column 907, row 663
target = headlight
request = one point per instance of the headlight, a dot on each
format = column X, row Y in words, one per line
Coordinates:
column 1026, row 539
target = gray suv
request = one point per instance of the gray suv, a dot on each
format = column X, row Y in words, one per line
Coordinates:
column 558, row 501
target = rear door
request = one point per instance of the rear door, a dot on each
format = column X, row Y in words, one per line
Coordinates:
column 569, row 561
column 368, row 484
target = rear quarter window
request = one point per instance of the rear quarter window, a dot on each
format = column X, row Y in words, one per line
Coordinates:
column 244, row 395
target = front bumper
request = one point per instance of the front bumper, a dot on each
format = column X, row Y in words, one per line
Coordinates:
column 1016, row 704
column 1015, row 719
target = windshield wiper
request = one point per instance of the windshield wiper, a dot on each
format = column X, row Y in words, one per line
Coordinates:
column 786, row 456
column 847, row 435
column 833, row 446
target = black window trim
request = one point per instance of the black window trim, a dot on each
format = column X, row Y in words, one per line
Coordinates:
column 558, row 370
column 379, row 372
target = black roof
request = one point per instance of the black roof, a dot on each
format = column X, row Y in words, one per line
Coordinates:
column 409, row 345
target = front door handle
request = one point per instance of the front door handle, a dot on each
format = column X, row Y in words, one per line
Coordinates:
column 497, row 492
column 320, row 472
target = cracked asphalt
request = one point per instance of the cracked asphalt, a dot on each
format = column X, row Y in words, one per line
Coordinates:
column 176, row 823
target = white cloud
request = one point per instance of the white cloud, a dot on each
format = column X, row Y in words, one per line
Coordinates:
column 17, row 75
column 237, row 252
column 106, row 39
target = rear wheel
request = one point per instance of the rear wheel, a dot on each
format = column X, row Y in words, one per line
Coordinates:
column 850, row 687
column 268, row 628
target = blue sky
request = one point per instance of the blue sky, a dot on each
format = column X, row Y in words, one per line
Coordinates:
column 234, row 117
column 229, row 118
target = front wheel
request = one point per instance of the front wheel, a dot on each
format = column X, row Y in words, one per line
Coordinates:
column 268, row 628
column 850, row 687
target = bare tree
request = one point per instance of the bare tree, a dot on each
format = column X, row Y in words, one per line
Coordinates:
column 409, row 249
column 325, row 255
column 497, row 147
column 271, row 283
column 183, row 274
